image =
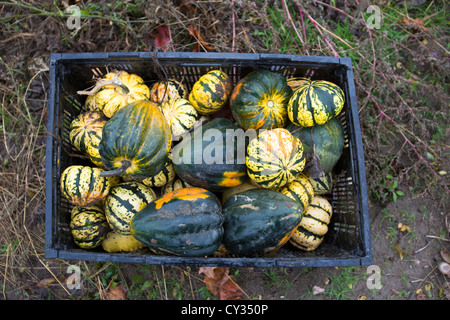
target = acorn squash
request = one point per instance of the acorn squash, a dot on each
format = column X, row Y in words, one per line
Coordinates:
column 123, row 202
column 259, row 221
column 322, row 144
column 86, row 134
column 313, row 226
column 83, row 186
column 180, row 115
column 166, row 175
column 212, row 156
column 210, row 93
column 176, row 184
column 185, row 222
column 116, row 242
column 315, row 102
column 116, row 90
column 274, row 158
column 88, row 226
column 136, row 141
column 165, row 91
column 260, row 99
column 300, row 190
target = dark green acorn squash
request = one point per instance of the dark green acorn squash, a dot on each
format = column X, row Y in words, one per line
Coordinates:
column 136, row 141
column 185, row 222
column 259, row 221
column 323, row 145
column 259, row 100
column 212, row 157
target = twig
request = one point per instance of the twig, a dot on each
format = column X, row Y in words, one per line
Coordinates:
column 114, row 81
column 288, row 16
column 234, row 26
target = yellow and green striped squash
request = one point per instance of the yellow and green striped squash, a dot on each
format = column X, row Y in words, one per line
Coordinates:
column 83, row 186
column 314, row 225
column 113, row 97
column 210, row 93
column 260, row 99
column 164, row 91
column 180, row 115
column 299, row 190
column 86, row 134
column 322, row 185
column 315, row 103
column 274, row 158
column 165, row 176
column 123, row 202
column 88, row 226
column 296, row 82
column 176, row 184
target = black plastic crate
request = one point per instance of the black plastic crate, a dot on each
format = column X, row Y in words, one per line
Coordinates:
column 347, row 242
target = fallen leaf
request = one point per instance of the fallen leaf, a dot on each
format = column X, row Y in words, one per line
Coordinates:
column 44, row 283
column 445, row 254
column 193, row 31
column 160, row 39
column 420, row 295
column 415, row 23
column 116, row 293
column 399, row 251
column 317, row 290
column 403, row 227
column 219, row 283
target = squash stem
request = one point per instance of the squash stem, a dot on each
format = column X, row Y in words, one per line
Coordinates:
column 117, row 172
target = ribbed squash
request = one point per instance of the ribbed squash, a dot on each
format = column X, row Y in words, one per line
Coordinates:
column 123, row 202
column 211, row 157
column 86, row 134
column 83, row 186
column 210, row 93
column 240, row 188
column 313, row 226
column 165, row 176
column 136, row 141
column 165, row 91
column 175, row 185
column 274, row 158
column 323, row 145
column 126, row 88
column 299, row 190
column 260, row 99
column 322, row 185
column 88, row 226
column 259, row 221
column 116, row 242
column 185, row 222
column 180, row 115
column 296, row 82
column 315, row 103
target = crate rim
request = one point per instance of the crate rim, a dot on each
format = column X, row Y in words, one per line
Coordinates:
column 365, row 258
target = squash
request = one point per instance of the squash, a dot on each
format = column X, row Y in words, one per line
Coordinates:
column 83, row 186
column 259, row 100
column 322, row 185
column 240, row 188
column 116, row 242
column 259, row 221
column 296, row 82
column 88, row 226
column 123, row 202
column 136, row 141
column 165, row 91
column 315, row 103
column 86, row 134
column 215, row 165
column 299, row 190
column 210, row 93
column 274, row 158
column 176, row 184
column 180, row 115
column 323, row 145
column 314, row 225
column 186, row 222
column 165, row 176
column 116, row 90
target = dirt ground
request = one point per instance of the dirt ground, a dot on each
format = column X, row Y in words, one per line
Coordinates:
column 408, row 235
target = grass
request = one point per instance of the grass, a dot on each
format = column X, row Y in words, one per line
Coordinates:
column 402, row 106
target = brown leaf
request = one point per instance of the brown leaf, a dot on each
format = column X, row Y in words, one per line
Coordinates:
column 418, row 23
column 219, row 283
column 44, row 283
column 116, row 293
column 193, row 31
column 160, row 39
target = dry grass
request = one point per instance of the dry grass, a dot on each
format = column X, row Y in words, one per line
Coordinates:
column 401, row 74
